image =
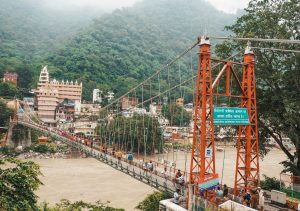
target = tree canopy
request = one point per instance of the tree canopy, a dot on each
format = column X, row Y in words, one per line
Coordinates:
column 18, row 181
column 176, row 115
column 151, row 202
column 119, row 50
column 5, row 113
column 9, row 90
column 277, row 72
column 139, row 133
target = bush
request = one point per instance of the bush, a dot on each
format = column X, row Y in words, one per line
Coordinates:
column 5, row 150
column 151, row 202
column 45, row 148
column 77, row 206
column 270, row 183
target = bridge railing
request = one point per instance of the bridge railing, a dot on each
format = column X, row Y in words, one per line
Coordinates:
column 154, row 179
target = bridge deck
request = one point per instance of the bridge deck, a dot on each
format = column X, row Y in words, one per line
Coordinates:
column 154, row 178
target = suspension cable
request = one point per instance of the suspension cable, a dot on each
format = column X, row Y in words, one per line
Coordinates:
column 277, row 49
column 156, row 73
column 178, row 85
column 256, row 39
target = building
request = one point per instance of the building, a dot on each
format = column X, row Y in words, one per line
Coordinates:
column 50, row 93
column 65, row 111
column 128, row 102
column 84, row 127
column 10, row 77
column 155, row 109
column 90, row 109
column 97, row 96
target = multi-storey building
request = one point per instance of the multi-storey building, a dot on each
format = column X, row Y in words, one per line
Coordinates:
column 128, row 102
column 50, row 94
column 10, row 77
column 65, row 111
column 97, row 96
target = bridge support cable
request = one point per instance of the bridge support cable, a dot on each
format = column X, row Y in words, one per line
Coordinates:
column 253, row 39
column 154, row 75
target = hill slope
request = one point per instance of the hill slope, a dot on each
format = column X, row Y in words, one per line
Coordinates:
column 29, row 29
column 121, row 49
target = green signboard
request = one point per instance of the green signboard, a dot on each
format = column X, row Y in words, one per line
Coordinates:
column 231, row 116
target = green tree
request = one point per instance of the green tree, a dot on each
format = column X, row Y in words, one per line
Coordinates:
column 66, row 205
column 151, row 202
column 9, row 90
column 277, row 73
column 5, row 114
column 177, row 115
column 270, row 183
column 18, row 181
column 137, row 133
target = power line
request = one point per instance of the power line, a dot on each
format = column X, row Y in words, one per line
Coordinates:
column 155, row 74
column 256, row 39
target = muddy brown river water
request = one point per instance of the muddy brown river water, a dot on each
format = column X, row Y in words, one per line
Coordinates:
column 90, row 180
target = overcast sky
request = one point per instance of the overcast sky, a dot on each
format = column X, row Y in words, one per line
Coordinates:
column 229, row 6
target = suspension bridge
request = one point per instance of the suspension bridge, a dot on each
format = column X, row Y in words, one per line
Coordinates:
column 215, row 83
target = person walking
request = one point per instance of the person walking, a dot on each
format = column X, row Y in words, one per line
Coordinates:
column 176, row 197
column 150, row 166
column 219, row 195
column 165, row 173
column 225, row 192
column 254, row 199
column 261, row 199
column 247, row 198
column 178, row 174
column 119, row 156
column 130, row 158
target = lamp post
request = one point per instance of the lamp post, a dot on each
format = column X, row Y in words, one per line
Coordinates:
column 145, row 142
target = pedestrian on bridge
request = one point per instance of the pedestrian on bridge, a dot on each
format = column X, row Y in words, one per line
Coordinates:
column 144, row 165
column 130, row 157
column 150, row 166
column 165, row 173
column 261, row 199
column 119, row 156
column 219, row 195
column 92, row 143
column 177, row 197
column 113, row 151
column 178, row 174
column 225, row 192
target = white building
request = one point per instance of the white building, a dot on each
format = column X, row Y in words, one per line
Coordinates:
column 97, row 96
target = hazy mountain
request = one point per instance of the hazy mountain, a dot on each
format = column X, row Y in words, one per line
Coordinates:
column 120, row 49
column 31, row 28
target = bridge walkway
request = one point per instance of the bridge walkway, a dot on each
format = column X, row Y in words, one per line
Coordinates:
column 154, row 179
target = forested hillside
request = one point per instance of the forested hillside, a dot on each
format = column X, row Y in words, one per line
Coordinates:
column 113, row 52
column 30, row 29
column 122, row 48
